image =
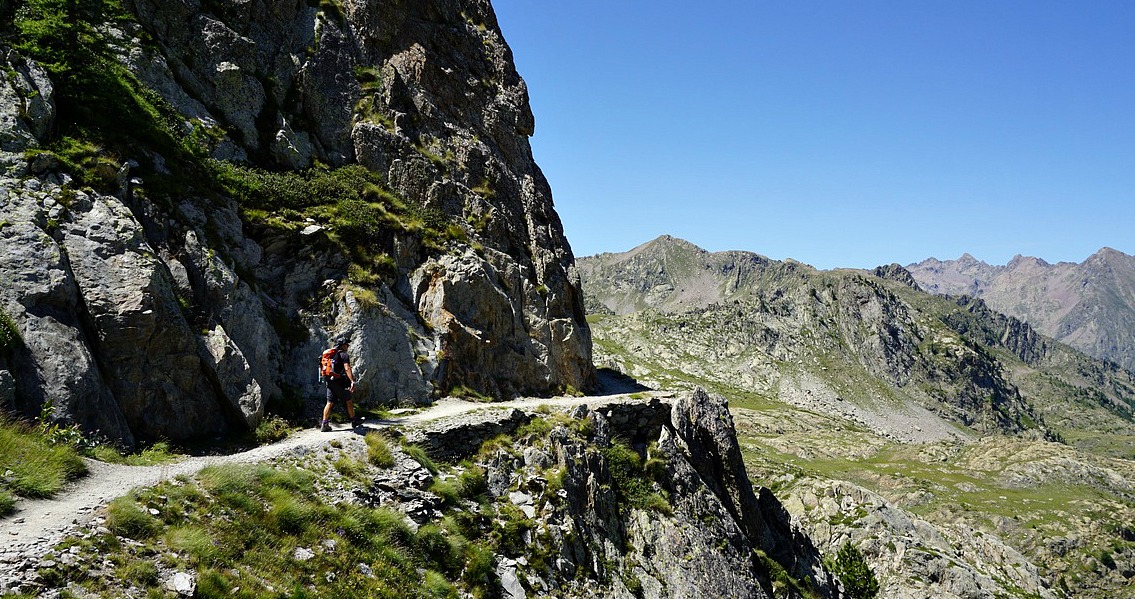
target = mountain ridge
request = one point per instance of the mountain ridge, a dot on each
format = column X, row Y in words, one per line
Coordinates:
column 948, row 428
column 1089, row 305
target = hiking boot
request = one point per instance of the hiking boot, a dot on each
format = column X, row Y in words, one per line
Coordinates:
column 357, row 421
column 326, row 427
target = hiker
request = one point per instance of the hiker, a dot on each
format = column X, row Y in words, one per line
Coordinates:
column 336, row 371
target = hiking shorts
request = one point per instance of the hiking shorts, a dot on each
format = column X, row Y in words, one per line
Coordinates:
column 338, row 389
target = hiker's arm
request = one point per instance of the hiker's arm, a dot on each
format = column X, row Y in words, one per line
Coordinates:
column 350, row 373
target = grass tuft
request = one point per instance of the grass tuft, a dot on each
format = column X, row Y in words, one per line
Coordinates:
column 38, row 468
column 421, row 457
column 126, row 518
column 378, row 450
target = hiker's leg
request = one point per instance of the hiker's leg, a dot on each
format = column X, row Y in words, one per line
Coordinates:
column 330, row 402
column 350, row 409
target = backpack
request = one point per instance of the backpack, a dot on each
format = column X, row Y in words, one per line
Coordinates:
column 326, row 364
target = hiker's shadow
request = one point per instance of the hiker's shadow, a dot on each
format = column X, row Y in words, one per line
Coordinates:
column 379, row 425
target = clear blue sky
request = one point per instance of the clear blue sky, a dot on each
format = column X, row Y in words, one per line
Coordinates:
column 838, row 133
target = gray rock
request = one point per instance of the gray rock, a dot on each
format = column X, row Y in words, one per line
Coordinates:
column 7, row 390
column 55, row 361
column 510, row 583
column 302, row 554
column 225, row 359
column 144, row 319
column 143, row 340
column 27, row 108
column 182, row 583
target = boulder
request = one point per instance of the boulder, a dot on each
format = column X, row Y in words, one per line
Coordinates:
column 144, row 344
column 55, row 361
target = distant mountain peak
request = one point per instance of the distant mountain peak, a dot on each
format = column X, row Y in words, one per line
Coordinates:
column 1088, row 305
column 1019, row 261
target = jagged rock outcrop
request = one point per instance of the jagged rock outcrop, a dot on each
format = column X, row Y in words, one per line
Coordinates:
column 912, row 557
column 998, row 330
column 587, row 529
column 895, row 272
column 173, row 318
column 611, row 498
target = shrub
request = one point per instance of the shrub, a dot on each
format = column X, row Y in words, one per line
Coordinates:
column 9, row 334
column 272, row 429
column 854, row 573
column 634, row 481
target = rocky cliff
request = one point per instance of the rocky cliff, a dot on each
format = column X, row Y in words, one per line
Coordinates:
column 184, row 221
column 1090, row 306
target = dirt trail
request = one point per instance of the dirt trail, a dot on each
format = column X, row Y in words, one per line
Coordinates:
column 39, row 524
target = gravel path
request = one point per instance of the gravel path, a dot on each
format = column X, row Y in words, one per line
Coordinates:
column 39, row 524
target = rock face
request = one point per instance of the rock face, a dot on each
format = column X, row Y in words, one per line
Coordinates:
column 149, row 316
column 912, row 556
column 1090, row 306
column 707, row 535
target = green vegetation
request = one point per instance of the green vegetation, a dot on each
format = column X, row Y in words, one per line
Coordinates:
column 250, row 531
column 103, row 111
column 105, row 114
column 421, row 457
column 9, row 334
column 40, row 458
column 350, row 200
column 272, row 428
column 378, row 450
column 158, row 453
column 39, row 468
column 853, row 571
column 635, row 479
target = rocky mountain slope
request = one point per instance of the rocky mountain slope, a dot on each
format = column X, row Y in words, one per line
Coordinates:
column 918, row 426
column 196, row 196
column 1090, row 306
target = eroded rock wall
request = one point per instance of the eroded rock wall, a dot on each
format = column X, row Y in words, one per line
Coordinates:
column 708, row 534
column 169, row 317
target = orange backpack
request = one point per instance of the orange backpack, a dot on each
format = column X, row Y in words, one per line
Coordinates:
column 326, row 370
